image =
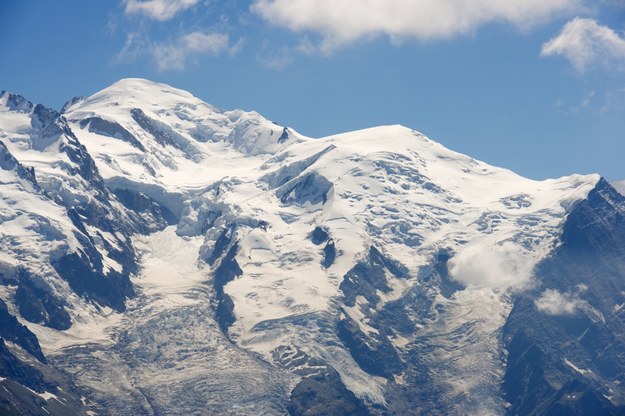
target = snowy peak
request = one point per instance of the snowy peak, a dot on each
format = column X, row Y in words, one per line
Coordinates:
column 15, row 102
column 151, row 236
column 26, row 125
column 139, row 93
column 8, row 162
column 143, row 133
column 159, row 113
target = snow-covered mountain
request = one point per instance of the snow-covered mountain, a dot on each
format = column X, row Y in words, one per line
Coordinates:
column 163, row 256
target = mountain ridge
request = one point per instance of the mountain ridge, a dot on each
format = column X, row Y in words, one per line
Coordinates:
column 164, row 225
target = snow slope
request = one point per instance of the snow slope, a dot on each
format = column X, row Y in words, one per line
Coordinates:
column 272, row 232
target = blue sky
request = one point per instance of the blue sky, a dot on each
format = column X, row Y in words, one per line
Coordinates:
column 537, row 86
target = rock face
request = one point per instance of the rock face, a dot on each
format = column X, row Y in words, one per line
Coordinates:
column 163, row 256
column 566, row 337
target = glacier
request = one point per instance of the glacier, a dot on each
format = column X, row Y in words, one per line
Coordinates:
column 170, row 257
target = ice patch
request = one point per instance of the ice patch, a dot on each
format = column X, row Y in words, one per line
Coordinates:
column 467, row 357
column 170, row 271
column 48, row 396
column 574, row 367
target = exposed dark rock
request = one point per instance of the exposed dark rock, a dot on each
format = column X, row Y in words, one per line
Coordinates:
column 324, row 394
column 70, row 103
column 156, row 216
column 107, row 290
column 579, row 398
column 96, row 214
column 286, row 173
column 393, row 266
column 8, row 411
column 227, row 271
column 44, row 119
column 78, row 154
column 263, row 225
column 438, row 274
column 12, row 330
column 8, row 278
column 284, row 136
column 9, row 162
column 84, row 271
column 224, row 313
column 525, row 379
column 37, row 304
column 329, row 254
column 159, row 132
column 11, row 366
column 562, row 362
column 559, row 362
column 222, row 244
column 319, row 236
column 311, row 188
column 17, row 103
column 368, row 276
column 373, row 352
column 107, row 128
column 22, row 381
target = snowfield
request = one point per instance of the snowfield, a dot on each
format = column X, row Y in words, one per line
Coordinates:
column 267, row 234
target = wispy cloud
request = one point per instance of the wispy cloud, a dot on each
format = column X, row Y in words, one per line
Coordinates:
column 133, row 48
column 346, row 21
column 175, row 55
column 276, row 59
column 604, row 101
column 585, row 44
column 158, row 9
column 587, row 102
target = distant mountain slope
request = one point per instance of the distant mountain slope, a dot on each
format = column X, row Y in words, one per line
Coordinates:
column 619, row 186
column 170, row 257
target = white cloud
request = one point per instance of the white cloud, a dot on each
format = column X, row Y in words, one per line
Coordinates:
column 344, row 21
column 553, row 302
column 586, row 43
column 158, row 9
column 497, row 267
column 175, row 55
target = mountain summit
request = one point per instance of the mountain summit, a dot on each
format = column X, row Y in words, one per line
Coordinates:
column 164, row 256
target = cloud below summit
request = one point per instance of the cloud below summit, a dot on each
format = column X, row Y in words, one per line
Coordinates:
column 553, row 302
column 493, row 266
